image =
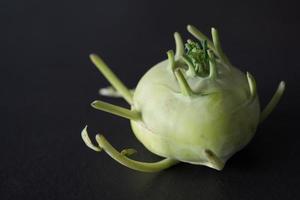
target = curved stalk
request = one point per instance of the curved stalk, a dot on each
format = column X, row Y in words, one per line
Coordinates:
column 121, row 157
column 86, row 139
column 274, row 101
column 130, row 163
column 112, row 78
column 116, row 110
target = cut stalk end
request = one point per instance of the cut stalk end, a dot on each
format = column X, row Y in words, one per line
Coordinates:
column 128, row 152
column 86, row 139
column 216, row 162
column 252, row 86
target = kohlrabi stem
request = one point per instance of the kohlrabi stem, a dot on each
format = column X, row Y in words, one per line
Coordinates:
column 179, row 45
column 217, row 44
column 252, row 86
column 121, row 157
column 212, row 65
column 183, row 84
column 116, row 110
column 274, row 101
column 112, row 78
column 217, row 163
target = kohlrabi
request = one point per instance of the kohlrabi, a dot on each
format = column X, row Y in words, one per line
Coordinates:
column 193, row 107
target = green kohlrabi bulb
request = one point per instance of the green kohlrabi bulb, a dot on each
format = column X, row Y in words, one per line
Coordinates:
column 193, row 107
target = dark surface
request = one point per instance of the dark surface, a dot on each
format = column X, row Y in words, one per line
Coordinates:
column 47, row 83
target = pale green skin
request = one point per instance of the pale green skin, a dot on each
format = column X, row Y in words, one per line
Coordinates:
column 174, row 126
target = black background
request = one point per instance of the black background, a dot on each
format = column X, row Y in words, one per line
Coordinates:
column 47, row 83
